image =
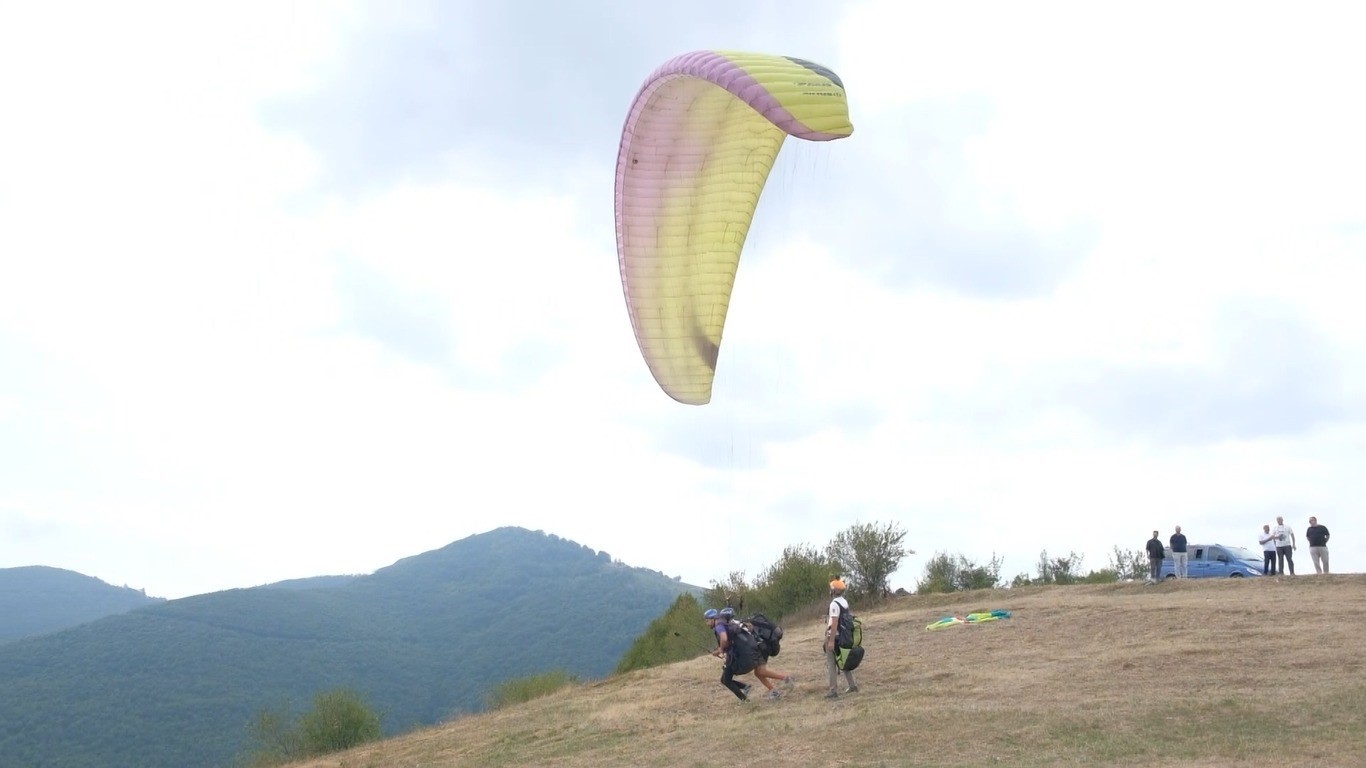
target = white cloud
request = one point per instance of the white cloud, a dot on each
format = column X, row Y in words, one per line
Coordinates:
column 985, row 316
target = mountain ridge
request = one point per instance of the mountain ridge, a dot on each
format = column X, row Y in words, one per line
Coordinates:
column 39, row 599
column 423, row 639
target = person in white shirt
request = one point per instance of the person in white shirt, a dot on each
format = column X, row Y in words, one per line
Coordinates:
column 838, row 606
column 1268, row 540
column 1285, row 545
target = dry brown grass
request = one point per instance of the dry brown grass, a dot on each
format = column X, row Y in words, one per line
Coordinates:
column 1204, row 673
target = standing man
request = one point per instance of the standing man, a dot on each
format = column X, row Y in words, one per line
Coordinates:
column 1178, row 542
column 1155, row 554
column 1317, row 536
column 1285, row 545
column 838, row 607
column 1268, row 540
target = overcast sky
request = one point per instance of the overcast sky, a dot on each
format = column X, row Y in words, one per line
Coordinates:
column 290, row 289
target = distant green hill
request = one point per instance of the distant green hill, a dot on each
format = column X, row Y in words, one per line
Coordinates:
column 36, row 600
column 422, row 640
column 312, row 582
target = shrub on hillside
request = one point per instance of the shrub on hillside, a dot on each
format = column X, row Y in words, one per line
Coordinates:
column 678, row 634
column 1129, row 564
column 868, row 554
column 954, row 573
column 1053, row 570
column 528, row 688
column 799, row 578
column 732, row 591
column 793, row 583
column 339, row 720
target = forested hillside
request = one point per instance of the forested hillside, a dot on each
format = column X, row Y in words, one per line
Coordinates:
column 422, row 640
column 36, row 599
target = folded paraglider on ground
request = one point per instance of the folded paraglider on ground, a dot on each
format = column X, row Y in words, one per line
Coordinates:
column 980, row 617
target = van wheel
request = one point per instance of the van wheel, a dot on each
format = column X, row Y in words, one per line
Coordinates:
column 1169, row 577
column 1235, row 575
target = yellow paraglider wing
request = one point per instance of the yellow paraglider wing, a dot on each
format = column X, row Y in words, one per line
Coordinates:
column 697, row 147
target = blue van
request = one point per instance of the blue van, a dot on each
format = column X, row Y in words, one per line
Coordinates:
column 1207, row 561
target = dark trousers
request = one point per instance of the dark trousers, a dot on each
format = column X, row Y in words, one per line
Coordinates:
column 1286, row 555
column 1268, row 562
column 728, row 680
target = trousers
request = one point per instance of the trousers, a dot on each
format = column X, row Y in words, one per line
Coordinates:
column 1320, row 557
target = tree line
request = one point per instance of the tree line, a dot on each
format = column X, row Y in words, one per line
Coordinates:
column 952, row 573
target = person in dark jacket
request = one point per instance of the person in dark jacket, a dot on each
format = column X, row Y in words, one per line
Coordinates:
column 761, row 670
column 1155, row 554
column 1317, row 536
column 1178, row 542
column 725, row 650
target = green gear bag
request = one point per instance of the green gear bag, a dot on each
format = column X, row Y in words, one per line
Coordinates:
column 848, row 659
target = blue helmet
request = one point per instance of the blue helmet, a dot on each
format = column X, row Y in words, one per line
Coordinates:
column 727, row 612
column 710, row 614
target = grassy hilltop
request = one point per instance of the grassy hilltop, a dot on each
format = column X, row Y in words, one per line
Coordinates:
column 1210, row 673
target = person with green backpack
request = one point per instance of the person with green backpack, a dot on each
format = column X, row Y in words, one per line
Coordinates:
column 837, row 648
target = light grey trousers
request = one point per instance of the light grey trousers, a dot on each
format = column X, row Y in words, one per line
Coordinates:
column 833, row 671
column 1320, row 557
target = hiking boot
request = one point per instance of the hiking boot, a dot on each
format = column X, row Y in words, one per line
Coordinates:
column 774, row 694
column 832, row 695
column 789, row 683
column 851, row 689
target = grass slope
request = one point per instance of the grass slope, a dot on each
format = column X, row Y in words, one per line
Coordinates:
column 1208, row 673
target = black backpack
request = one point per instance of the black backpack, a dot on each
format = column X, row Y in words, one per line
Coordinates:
column 848, row 641
column 744, row 648
column 845, row 636
column 768, row 634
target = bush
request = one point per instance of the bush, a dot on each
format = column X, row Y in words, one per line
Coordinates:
column 528, row 688
column 730, row 592
column 678, row 634
column 276, row 737
column 798, row 579
column 1129, row 565
column 1103, row 576
column 338, row 720
column 868, row 553
column 953, row 573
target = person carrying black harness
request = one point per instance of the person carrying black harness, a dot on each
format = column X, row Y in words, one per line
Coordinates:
column 729, row 650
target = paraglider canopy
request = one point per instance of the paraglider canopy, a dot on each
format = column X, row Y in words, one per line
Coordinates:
column 697, row 147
